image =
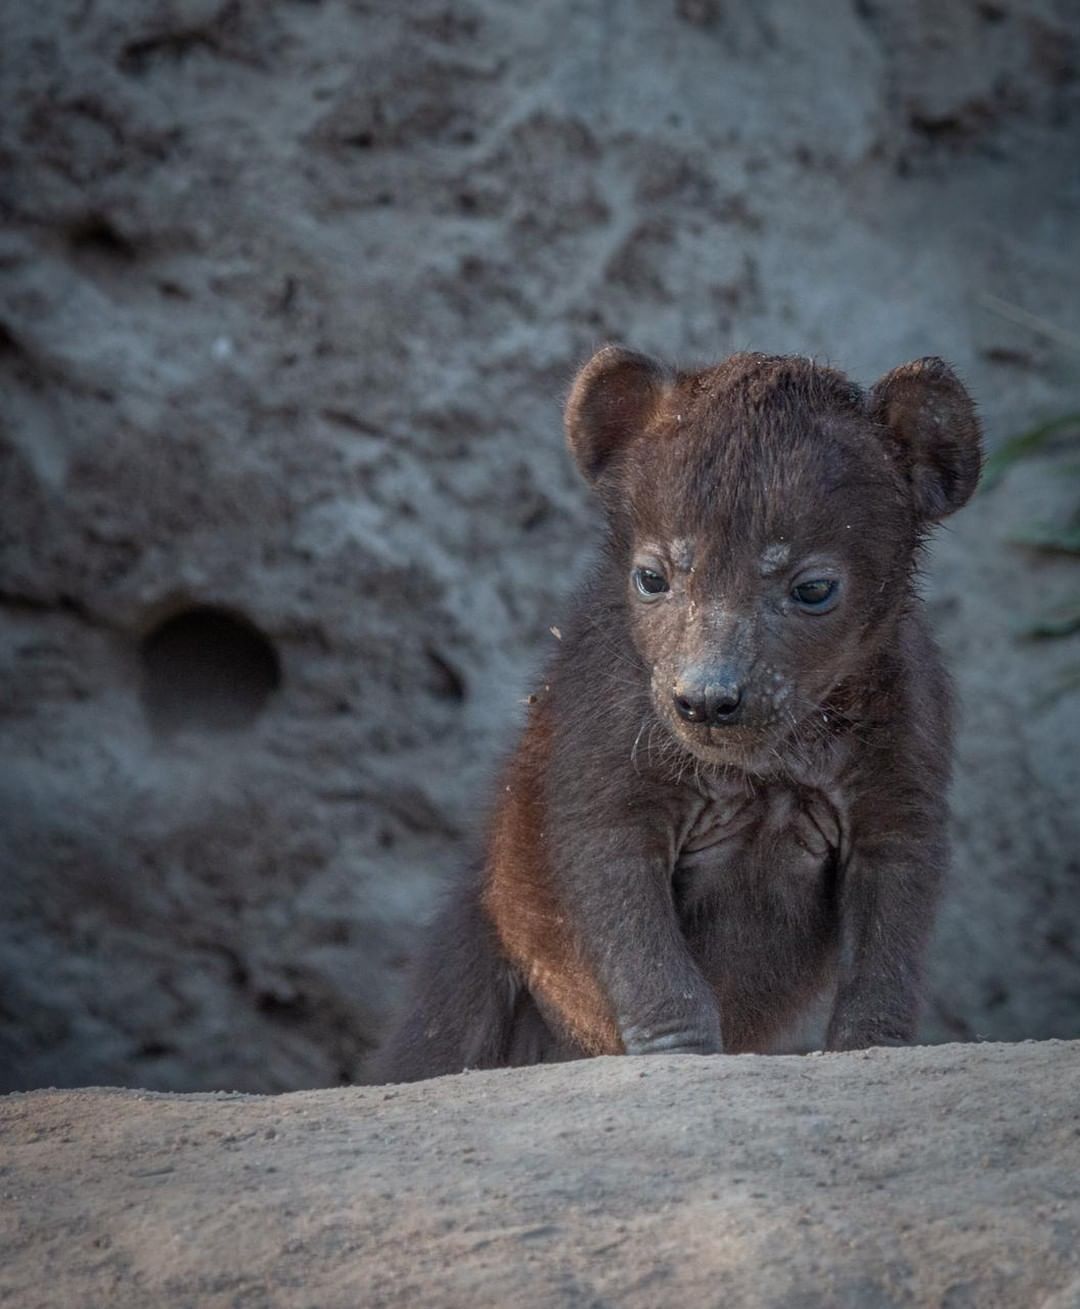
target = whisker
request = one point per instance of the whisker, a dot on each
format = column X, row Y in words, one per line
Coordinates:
column 637, row 739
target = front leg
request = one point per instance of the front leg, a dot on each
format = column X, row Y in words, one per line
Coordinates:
column 888, row 898
column 631, row 938
column 580, row 893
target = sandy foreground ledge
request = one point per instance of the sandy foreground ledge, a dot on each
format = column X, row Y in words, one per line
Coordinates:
column 945, row 1175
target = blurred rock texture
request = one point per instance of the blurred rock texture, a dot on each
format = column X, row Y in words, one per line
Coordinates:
column 289, row 296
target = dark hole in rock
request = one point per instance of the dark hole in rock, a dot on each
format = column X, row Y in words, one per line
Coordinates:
column 95, row 236
column 207, row 668
column 446, row 681
column 8, row 344
column 281, row 1006
column 138, row 56
column 155, row 1049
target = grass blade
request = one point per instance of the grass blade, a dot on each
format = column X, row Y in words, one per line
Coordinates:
column 1029, row 442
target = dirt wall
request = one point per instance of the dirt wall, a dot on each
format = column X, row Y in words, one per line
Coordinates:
column 289, row 297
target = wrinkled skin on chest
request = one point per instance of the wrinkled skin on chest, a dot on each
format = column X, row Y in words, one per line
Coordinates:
column 778, row 824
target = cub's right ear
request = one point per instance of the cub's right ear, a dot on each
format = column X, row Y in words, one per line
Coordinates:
column 613, row 398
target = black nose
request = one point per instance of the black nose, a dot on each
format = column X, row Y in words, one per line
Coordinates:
column 712, row 703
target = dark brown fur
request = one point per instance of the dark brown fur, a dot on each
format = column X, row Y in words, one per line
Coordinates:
column 654, row 881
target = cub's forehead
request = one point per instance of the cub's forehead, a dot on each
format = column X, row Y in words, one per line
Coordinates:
column 774, row 558
column 687, row 554
column 697, row 482
column 680, row 550
column 763, row 517
column 759, row 454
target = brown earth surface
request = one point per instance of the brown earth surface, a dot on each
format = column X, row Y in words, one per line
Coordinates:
column 939, row 1176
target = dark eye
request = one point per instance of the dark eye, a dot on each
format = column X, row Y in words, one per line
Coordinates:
column 649, row 582
column 815, row 593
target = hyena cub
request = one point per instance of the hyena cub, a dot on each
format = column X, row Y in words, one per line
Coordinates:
column 732, row 789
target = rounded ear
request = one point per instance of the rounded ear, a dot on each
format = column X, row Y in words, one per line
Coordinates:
column 932, row 423
column 612, row 399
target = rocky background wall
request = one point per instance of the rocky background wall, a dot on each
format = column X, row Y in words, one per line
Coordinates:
column 289, row 297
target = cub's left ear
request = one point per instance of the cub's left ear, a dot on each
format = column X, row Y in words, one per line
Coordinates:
column 931, row 421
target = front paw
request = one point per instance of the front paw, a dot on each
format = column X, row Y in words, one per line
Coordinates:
column 672, row 1038
column 865, row 1033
